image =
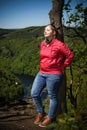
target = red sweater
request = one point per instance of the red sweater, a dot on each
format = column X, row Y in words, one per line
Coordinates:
column 54, row 57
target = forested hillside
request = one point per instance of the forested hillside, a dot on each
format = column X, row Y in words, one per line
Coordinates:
column 19, row 50
column 19, row 54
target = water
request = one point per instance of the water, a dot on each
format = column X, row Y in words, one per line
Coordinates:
column 27, row 81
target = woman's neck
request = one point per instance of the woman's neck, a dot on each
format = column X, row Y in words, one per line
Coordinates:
column 48, row 40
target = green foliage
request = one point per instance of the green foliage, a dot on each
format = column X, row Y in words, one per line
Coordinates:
column 77, row 18
column 73, row 121
column 21, row 49
column 79, row 71
column 19, row 54
column 64, row 122
column 10, row 86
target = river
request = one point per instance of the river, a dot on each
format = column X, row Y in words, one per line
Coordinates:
column 27, row 82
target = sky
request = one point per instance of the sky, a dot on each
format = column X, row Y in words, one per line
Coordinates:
column 25, row 13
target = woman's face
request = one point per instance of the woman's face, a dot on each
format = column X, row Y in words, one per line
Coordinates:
column 48, row 32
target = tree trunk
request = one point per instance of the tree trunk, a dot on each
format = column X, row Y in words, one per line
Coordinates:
column 55, row 15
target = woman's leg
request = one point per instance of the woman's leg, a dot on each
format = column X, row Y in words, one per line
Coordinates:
column 37, row 87
column 53, row 84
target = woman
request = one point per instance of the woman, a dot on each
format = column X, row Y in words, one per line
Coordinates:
column 54, row 57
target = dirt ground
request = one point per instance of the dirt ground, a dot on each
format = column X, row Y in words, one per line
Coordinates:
column 18, row 115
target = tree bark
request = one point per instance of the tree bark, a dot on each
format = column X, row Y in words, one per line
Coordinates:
column 55, row 15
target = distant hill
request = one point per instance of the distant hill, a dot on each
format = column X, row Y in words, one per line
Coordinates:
column 19, row 49
column 22, row 33
column 4, row 32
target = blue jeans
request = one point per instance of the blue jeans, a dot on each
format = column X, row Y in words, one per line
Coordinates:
column 52, row 82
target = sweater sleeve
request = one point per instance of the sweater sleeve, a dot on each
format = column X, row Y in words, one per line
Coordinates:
column 68, row 55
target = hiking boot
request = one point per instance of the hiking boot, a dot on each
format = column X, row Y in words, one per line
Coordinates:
column 45, row 122
column 39, row 118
